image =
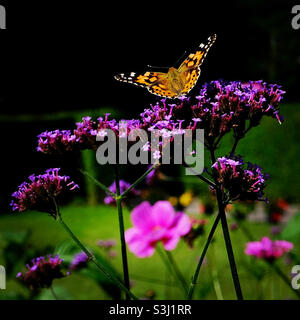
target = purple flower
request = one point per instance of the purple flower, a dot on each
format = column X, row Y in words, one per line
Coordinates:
column 38, row 193
column 154, row 175
column 79, row 261
column 107, row 244
column 42, row 272
column 124, row 185
column 244, row 183
column 222, row 106
column 152, row 224
column 268, row 249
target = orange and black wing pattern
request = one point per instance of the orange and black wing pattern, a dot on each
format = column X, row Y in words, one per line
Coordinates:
column 161, row 84
column 190, row 68
column 156, row 82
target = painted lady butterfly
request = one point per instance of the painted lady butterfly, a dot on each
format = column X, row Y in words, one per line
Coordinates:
column 175, row 83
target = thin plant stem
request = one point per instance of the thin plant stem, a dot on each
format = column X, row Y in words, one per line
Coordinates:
column 221, row 207
column 97, row 182
column 214, row 273
column 122, row 231
column 177, row 271
column 91, row 257
column 196, row 274
column 53, row 293
column 228, row 244
column 236, row 141
column 169, row 266
column 201, row 177
column 140, row 179
column 218, row 141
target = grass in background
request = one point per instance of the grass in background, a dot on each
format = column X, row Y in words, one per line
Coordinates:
column 93, row 223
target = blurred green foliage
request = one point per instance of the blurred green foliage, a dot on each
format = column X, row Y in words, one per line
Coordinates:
column 100, row 222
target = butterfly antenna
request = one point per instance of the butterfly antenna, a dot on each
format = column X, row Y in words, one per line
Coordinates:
column 156, row 67
column 181, row 57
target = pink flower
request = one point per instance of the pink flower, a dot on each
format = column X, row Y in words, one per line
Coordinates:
column 153, row 224
column 268, row 249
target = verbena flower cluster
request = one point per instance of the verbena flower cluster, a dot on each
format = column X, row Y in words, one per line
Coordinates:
column 268, row 249
column 243, row 183
column 219, row 107
column 42, row 272
column 39, row 191
column 84, row 136
column 222, row 106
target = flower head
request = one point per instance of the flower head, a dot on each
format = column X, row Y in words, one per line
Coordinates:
column 42, row 272
column 107, row 244
column 244, row 183
column 152, row 224
column 38, row 193
column 225, row 105
column 79, row 261
column 268, row 249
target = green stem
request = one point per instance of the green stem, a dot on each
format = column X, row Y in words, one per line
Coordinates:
column 201, row 177
column 228, row 244
column 177, row 271
column 53, row 293
column 122, row 231
column 170, row 266
column 110, row 276
column 214, row 273
column 221, row 206
column 236, row 141
column 140, row 179
column 196, row 274
column 98, row 183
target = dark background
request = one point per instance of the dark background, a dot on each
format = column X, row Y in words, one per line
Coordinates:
column 62, row 57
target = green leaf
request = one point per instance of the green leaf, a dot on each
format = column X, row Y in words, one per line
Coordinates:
column 291, row 231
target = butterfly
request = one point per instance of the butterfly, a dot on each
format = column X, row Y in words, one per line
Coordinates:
column 176, row 82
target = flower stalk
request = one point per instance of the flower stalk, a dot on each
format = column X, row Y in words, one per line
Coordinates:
column 122, row 231
column 229, row 249
column 172, row 268
column 196, row 274
column 91, row 257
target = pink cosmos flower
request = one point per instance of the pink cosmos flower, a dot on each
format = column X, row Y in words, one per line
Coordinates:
column 153, row 224
column 268, row 249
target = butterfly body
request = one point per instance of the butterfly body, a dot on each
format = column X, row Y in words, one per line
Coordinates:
column 176, row 82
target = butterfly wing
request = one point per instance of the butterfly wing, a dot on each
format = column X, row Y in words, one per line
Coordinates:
column 155, row 82
column 190, row 67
